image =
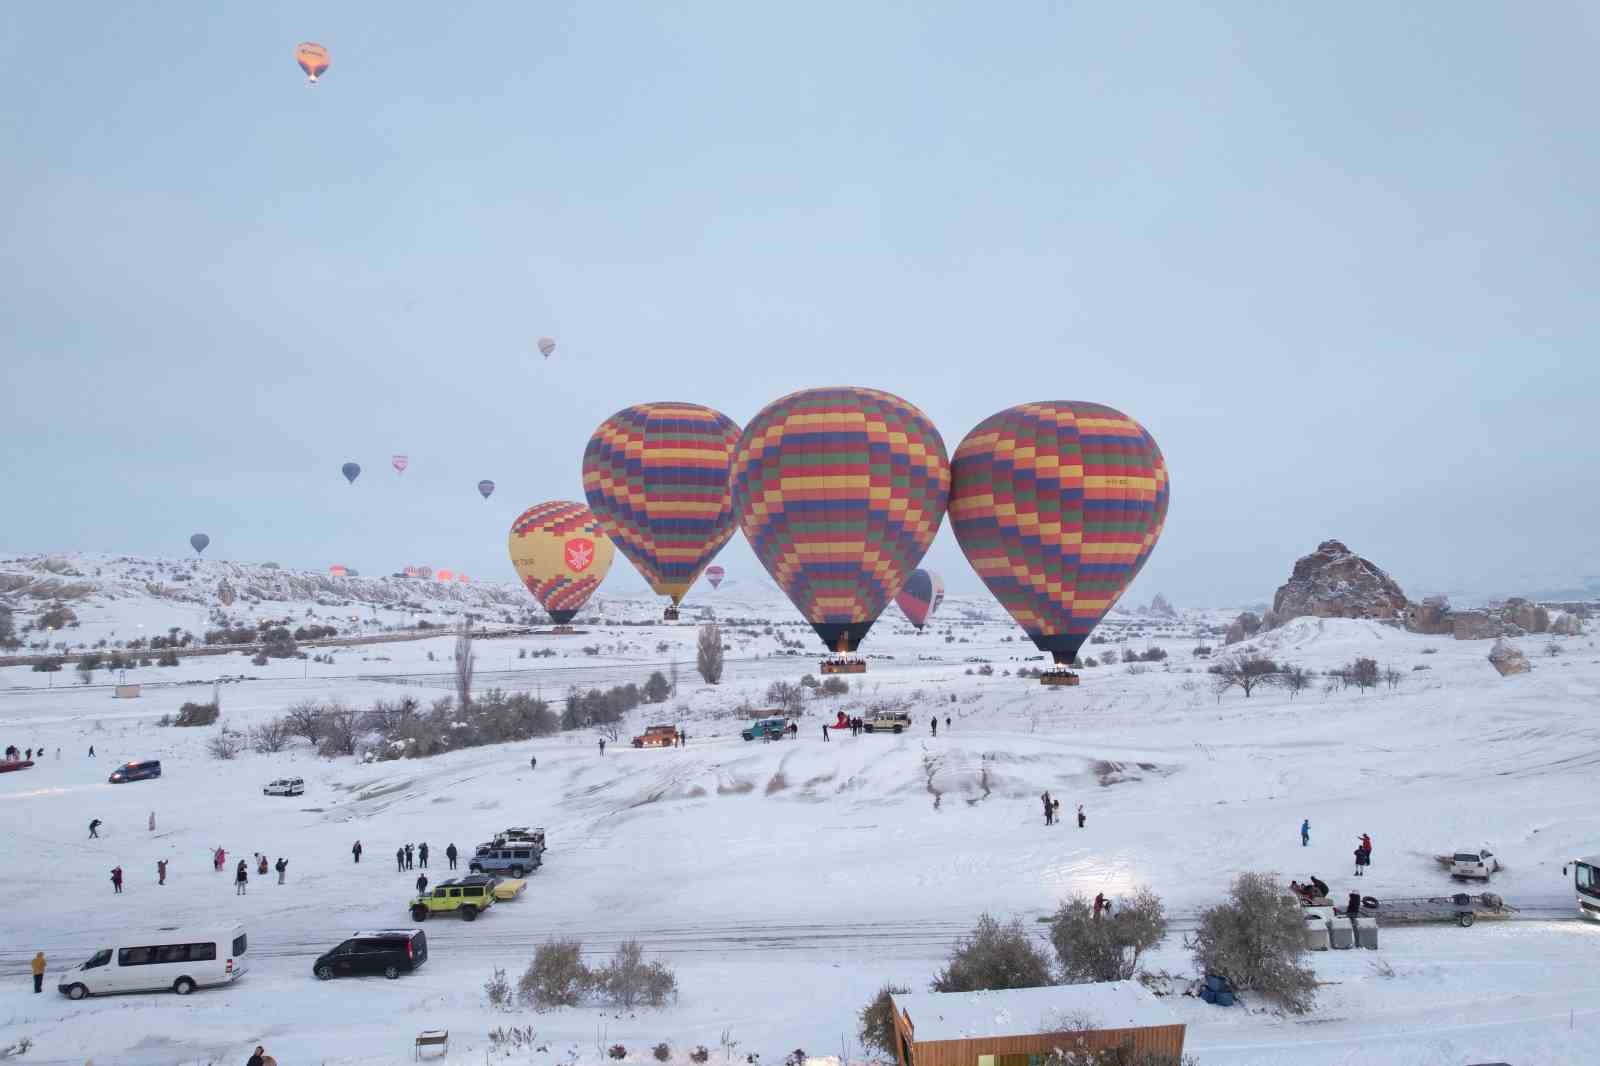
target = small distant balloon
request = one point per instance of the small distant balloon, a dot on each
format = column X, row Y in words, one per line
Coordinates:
column 715, row 574
column 351, row 471
column 547, row 345
column 198, row 542
column 424, row 571
column 411, row 571
column 338, row 570
column 486, row 488
column 313, row 59
column 400, row 463
column 444, row 575
column 462, row 579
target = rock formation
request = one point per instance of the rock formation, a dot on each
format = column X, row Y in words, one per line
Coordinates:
column 1567, row 624
column 1507, row 659
column 1161, row 608
column 1244, row 627
column 1334, row 582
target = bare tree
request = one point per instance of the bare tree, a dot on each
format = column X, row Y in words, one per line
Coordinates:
column 787, row 697
column 708, row 653
column 338, row 729
column 226, row 744
column 1363, row 674
column 271, row 736
column 304, row 719
column 464, row 661
column 1245, row 673
column 1392, row 677
column 1294, row 678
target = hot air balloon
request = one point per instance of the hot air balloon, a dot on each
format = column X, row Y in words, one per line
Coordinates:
column 547, row 345
column 198, row 542
column 1057, row 505
column 486, row 488
column 313, row 59
column 561, row 555
column 715, row 574
column 444, row 575
column 922, row 595
column 840, row 491
column 351, row 471
column 337, row 570
column 656, row 477
column 400, row 463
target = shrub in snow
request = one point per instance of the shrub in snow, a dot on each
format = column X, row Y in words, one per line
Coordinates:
column 661, row 1052
column 876, row 1026
column 700, row 1055
column 627, row 979
column 194, row 714
column 1106, row 948
column 225, row 745
column 617, row 1051
column 994, row 956
column 1257, row 940
column 498, row 989
column 556, row 977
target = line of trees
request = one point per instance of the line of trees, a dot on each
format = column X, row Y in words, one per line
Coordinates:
column 1247, row 673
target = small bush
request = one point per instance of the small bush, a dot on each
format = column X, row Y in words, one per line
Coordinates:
column 1106, row 948
column 269, row 737
column 994, row 956
column 226, row 745
column 617, row 1051
column 196, row 714
column 51, row 665
column 168, row 657
column 700, row 1055
column 985, row 670
column 876, row 1027
column 834, row 686
column 498, row 989
column 556, row 977
column 1256, row 939
column 627, row 979
column 661, row 1052
column 1202, row 651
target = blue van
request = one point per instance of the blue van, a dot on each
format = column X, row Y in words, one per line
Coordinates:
column 136, row 771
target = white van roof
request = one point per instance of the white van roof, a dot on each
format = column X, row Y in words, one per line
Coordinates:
column 182, row 934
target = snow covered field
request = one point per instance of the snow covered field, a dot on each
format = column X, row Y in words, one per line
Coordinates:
column 787, row 881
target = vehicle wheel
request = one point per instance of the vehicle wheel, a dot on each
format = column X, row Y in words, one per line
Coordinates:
column 474, row 868
column 1465, row 918
column 897, row 729
column 469, row 913
column 183, row 986
column 391, row 972
column 76, row 992
column 325, row 972
column 419, row 914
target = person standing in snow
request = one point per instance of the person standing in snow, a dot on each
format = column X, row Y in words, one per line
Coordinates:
column 94, row 829
column 355, row 850
column 400, row 860
column 152, row 821
column 1352, row 909
column 161, row 871
column 1305, row 833
column 241, row 878
column 824, row 733
column 947, row 723
column 602, row 745
column 422, row 854
column 1363, row 860
column 259, row 1058
column 411, row 856
column 934, row 721
column 683, row 739
column 450, row 853
column 282, row 866
column 116, row 880
column 91, row 751
column 38, row 973
column 1082, row 818
column 1099, row 904
column 422, row 884
column 1049, row 807
column 533, row 762
column 261, row 865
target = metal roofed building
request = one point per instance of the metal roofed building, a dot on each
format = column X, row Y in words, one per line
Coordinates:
column 1020, row 1026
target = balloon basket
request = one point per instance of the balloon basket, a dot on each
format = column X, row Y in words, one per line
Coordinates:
column 562, row 631
column 1064, row 678
column 844, row 665
column 670, row 614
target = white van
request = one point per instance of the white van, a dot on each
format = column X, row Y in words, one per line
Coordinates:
column 285, row 786
column 177, row 959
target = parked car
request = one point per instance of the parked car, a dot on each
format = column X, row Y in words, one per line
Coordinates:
column 466, row 898
column 136, row 771
column 888, row 722
column 533, row 835
column 516, row 858
column 1468, row 864
column 657, row 736
column 285, row 786
column 390, row 952
column 181, row 960
column 769, row 729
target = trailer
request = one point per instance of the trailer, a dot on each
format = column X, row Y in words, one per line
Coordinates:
column 1461, row 908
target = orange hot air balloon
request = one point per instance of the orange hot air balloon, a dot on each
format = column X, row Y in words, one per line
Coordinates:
column 561, row 555
column 338, row 570
column 445, row 575
column 313, row 59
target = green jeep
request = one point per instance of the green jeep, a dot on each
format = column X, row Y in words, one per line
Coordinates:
column 469, row 898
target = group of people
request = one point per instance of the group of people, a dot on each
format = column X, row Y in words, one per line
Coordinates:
column 1363, row 847
column 13, row 754
column 1052, row 810
column 406, row 857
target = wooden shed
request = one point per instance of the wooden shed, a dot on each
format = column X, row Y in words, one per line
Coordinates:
column 1020, row 1026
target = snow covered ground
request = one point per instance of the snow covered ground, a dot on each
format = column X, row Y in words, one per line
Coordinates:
column 787, row 881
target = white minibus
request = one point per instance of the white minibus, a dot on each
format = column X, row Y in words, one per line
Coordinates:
column 177, row 959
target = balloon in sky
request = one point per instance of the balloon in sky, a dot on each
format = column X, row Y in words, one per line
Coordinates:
column 400, row 463
column 198, row 542
column 313, row 59
column 486, row 488
column 656, row 477
column 715, row 574
column 840, row 491
column 921, row 597
column 338, row 570
column 547, row 345
column 561, row 555
column 351, row 471
column 444, row 575
column 1058, row 505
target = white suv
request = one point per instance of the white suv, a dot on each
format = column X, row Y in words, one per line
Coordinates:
column 285, row 786
column 1469, row 864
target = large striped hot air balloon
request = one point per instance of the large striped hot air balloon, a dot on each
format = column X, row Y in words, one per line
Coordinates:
column 561, row 555
column 840, row 491
column 1057, row 506
column 921, row 597
column 656, row 477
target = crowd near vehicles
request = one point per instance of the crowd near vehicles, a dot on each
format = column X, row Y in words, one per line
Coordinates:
column 285, row 786
column 1586, row 882
column 136, row 771
column 467, row 897
column 1472, row 864
column 657, row 736
column 390, row 952
column 769, row 729
column 180, row 960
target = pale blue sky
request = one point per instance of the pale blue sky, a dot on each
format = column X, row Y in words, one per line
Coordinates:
column 1340, row 259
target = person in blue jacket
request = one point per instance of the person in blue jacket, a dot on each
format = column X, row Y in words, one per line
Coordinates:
column 1305, row 833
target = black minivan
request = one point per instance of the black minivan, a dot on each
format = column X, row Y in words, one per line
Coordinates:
column 390, row 952
column 136, row 771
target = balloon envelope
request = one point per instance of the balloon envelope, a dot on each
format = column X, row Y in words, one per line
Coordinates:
column 337, row 570
column 715, row 574
column 923, row 593
column 1058, row 505
column 561, row 555
column 351, row 471
column 656, row 477
column 399, row 463
column 547, row 345
column 840, row 491
column 198, row 542
column 313, row 59
column 486, row 488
